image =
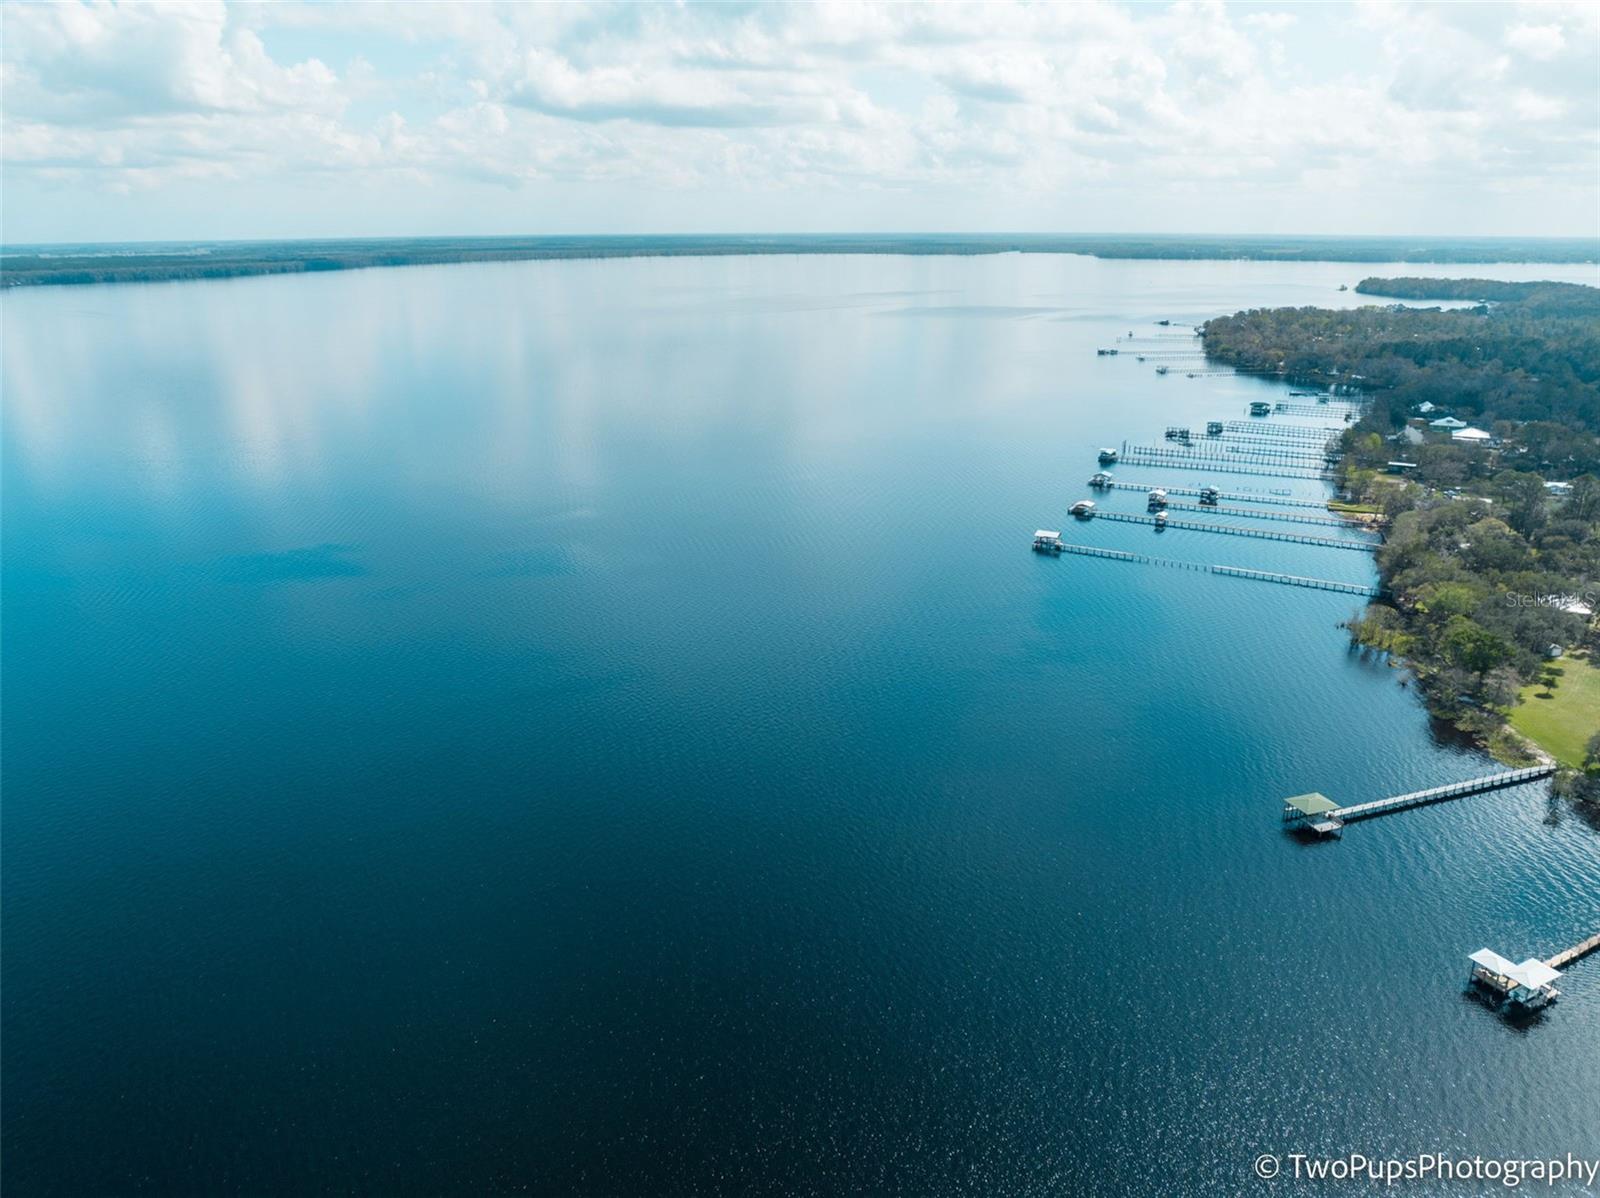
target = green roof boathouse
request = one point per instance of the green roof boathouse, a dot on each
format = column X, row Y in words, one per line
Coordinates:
column 1310, row 813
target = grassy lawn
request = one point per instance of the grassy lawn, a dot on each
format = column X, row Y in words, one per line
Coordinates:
column 1562, row 724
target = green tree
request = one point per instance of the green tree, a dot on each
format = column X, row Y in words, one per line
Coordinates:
column 1584, row 502
column 1524, row 497
column 1445, row 600
column 1469, row 646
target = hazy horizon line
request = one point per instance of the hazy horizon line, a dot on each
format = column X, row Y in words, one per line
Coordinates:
column 1521, row 238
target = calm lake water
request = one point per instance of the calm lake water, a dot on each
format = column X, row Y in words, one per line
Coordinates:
column 598, row 727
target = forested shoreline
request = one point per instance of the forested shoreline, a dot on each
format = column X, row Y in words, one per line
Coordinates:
column 81, row 265
column 1491, row 566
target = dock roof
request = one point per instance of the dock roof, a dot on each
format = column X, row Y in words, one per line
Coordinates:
column 1312, row 804
column 1534, row 973
column 1492, row 961
column 1048, row 533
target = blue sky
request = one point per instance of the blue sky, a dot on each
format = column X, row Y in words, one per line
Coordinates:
column 141, row 121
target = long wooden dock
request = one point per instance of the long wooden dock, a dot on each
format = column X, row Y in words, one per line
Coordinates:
column 1285, row 432
column 1305, row 444
column 1293, row 580
column 1264, row 534
column 1313, row 409
column 1235, row 496
column 1290, row 517
column 1139, row 459
column 1227, row 455
column 1319, row 433
column 1578, row 951
column 1440, row 794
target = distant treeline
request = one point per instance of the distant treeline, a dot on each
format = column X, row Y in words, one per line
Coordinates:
column 1533, row 356
column 84, row 264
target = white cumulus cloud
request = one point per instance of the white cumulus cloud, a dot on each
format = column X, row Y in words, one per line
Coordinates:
column 1061, row 115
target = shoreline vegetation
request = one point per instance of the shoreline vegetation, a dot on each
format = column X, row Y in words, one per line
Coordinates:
column 152, row 262
column 1480, row 444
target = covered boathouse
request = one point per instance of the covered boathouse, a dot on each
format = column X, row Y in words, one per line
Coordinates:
column 1528, row 986
column 1309, row 812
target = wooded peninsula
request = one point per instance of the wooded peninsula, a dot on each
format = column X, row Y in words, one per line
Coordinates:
column 1480, row 446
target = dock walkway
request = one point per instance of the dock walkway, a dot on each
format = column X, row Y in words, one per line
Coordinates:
column 1566, row 957
column 1291, row 517
column 1293, row 580
column 1281, row 432
column 1136, row 458
column 1264, row 534
column 1439, row 794
column 1234, row 496
column 1298, row 444
column 1315, row 409
column 1250, row 456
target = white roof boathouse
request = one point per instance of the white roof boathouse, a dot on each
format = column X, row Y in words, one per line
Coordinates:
column 1047, row 540
column 1527, row 987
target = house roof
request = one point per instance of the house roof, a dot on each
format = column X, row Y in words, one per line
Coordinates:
column 1471, row 434
column 1447, row 422
column 1312, row 804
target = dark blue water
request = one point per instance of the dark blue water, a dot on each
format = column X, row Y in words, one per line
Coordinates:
column 597, row 727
